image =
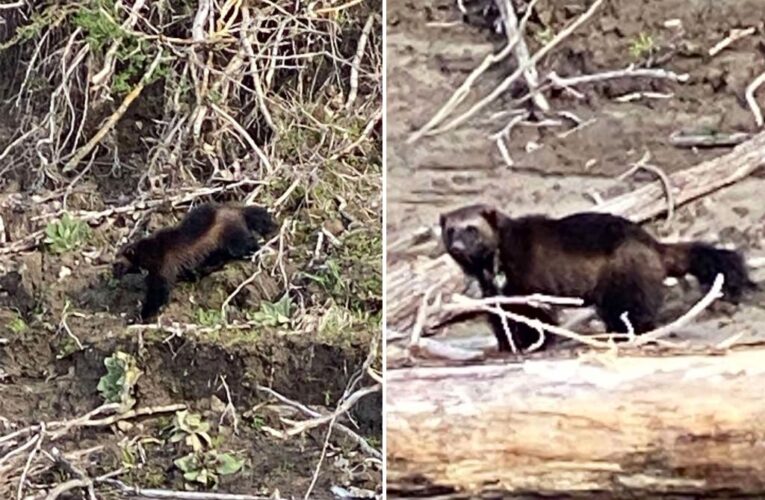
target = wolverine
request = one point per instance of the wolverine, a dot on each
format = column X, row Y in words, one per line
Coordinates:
column 206, row 239
column 606, row 260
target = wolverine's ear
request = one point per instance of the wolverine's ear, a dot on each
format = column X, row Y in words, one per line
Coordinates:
column 489, row 213
column 442, row 220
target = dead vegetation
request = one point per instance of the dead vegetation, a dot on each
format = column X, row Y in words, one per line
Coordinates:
column 116, row 118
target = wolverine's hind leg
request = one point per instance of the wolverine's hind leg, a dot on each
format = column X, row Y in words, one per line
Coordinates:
column 157, row 295
column 524, row 336
column 638, row 295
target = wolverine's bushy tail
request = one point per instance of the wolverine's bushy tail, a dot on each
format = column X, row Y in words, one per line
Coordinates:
column 259, row 220
column 704, row 261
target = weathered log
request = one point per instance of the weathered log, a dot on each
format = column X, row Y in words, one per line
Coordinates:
column 635, row 428
column 407, row 281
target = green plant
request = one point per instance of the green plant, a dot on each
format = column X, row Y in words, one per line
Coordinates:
column 204, row 468
column 66, row 234
column 257, row 422
column 99, row 28
column 273, row 314
column 117, row 385
column 17, row 325
column 329, row 277
column 208, row 317
column 192, row 429
column 67, row 347
column 642, row 46
column 544, row 36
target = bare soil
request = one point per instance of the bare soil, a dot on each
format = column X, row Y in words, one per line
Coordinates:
column 45, row 377
column 557, row 169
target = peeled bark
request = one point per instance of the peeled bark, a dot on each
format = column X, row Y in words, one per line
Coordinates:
column 637, row 426
column 407, row 281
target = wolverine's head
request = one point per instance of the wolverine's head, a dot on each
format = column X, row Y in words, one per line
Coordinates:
column 470, row 236
column 126, row 261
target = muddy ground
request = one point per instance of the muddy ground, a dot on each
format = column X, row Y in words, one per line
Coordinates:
column 62, row 313
column 46, row 376
column 557, row 169
column 49, row 299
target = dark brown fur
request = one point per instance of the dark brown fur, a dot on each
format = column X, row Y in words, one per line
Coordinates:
column 606, row 260
column 207, row 238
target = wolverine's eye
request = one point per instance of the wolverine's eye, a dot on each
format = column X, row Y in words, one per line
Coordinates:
column 471, row 231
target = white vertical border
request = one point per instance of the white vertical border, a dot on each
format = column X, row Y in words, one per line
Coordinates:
column 383, row 353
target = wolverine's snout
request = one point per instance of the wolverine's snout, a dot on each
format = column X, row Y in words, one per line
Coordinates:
column 122, row 267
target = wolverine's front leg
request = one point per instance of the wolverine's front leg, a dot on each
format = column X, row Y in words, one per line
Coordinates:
column 157, row 295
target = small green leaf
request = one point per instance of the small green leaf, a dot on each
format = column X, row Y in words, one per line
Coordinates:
column 122, row 374
column 228, row 464
column 176, row 437
column 187, row 463
column 192, row 475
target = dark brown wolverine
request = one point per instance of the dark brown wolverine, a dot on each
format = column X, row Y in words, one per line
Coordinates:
column 606, row 260
column 207, row 238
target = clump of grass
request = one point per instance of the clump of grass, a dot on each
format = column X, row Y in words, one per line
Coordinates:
column 642, row 47
column 208, row 317
column 66, row 234
column 340, row 326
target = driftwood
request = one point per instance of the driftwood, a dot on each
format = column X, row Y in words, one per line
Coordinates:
column 640, row 427
column 408, row 281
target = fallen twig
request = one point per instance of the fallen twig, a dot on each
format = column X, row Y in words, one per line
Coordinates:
column 137, row 491
column 713, row 294
column 363, row 444
column 505, row 84
column 629, row 72
column 665, row 182
column 347, row 404
column 521, row 51
column 735, row 34
column 13, row 5
column 360, row 48
column 463, row 90
column 716, row 140
column 750, row 99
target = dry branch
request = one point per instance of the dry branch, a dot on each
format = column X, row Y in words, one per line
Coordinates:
column 752, row 101
column 643, row 426
column 114, row 118
column 12, row 5
column 505, row 84
column 408, row 280
column 531, row 76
